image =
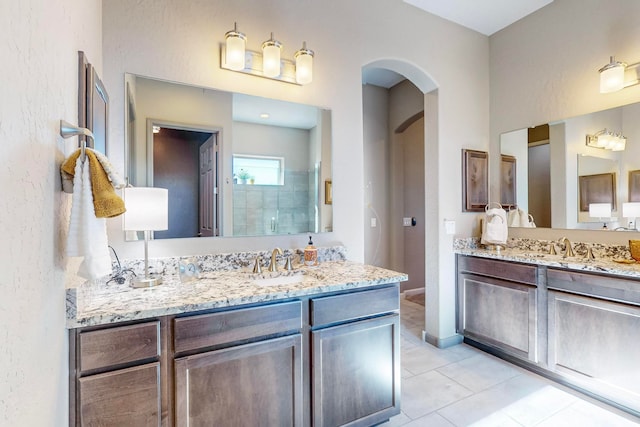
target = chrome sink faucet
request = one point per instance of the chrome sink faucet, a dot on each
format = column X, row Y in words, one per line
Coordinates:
column 568, row 250
column 273, row 266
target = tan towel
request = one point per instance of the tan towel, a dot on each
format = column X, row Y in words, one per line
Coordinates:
column 106, row 202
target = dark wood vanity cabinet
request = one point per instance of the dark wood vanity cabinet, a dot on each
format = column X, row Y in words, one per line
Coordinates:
column 327, row 360
column 498, row 305
column 355, row 358
column 238, row 383
column 115, row 376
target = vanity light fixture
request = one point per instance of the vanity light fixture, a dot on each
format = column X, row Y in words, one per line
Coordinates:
column 607, row 140
column 612, row 76
column 235, row 42
column 631, row 210
column 147, row 210
column 600, row 211
column 267, row 63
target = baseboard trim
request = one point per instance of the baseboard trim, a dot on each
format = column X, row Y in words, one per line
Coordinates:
column 414, row 291
column 442, row 342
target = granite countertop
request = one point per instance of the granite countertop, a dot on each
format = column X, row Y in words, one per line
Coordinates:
column 627, row 268
column 100, row 303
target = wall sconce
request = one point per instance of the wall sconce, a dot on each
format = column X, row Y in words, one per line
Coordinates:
column 268, row 63
column 612, row 76
column 631, row 210
column 607, row 140
column 600, row 211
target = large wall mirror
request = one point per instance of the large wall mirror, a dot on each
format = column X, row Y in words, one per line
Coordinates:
column 234, row 164
column 558, row 174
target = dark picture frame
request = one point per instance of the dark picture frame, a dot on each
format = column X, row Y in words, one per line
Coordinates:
column 508, row 183
column 599, row 188
column 93, row 104
column 634, row 186
column 475, row 180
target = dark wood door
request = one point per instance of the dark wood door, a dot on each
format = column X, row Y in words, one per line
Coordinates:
column 122, row 398
column 258, row 384
column 356, row 372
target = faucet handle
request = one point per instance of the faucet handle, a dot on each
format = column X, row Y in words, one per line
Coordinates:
column 552, row 249
column 287, row 265
column 257, row 268
column 589, row 254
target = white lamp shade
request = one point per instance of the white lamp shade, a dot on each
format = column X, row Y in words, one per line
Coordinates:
column 147, row 209
column 631, row 210
column 600, row 210
column 304, row 68
column 612, row 79
column 271, row 58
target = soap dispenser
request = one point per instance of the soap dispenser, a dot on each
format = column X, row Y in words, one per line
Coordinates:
column 310, row 254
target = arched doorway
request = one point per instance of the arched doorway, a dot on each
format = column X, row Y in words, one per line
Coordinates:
column 396, row 147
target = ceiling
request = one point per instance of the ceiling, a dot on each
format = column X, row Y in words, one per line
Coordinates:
column 483, row 16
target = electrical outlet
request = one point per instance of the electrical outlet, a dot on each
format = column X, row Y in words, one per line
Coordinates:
column 374, row 222
column 406, row 222
column 449, row 226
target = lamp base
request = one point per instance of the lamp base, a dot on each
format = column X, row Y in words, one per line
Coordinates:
column 147, row 282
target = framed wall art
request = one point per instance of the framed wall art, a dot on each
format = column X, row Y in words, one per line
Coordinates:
column 599, row 188
column 634, row 186
column 475, row 180
column 508, row 181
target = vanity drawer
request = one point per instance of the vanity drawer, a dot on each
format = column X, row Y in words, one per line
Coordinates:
column 610, row 288
column 207, row 330
column 506, row 270
column 355, row 305
column 119, row 345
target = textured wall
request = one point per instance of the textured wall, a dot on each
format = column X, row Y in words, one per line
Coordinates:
column 40, row 40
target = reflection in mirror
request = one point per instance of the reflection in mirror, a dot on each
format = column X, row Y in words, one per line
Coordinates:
column 548, row 165
column 234, row 164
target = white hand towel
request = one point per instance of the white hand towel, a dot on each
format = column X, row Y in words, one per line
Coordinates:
column 87, row 235
column 494, row 230
column 513, row 219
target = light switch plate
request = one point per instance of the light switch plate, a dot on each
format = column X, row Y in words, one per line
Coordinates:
column 374, row 222
column 406, row 222
column 449, row 226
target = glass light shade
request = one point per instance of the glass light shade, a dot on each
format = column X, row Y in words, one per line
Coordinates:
column 147, row 209
column 600, row 210
column 620, row 144
column 271, row 57
column 612, row 76
column 234, row 49
column 304, row 65
column 631, row 210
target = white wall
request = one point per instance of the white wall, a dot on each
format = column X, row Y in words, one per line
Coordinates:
column 292, row 144
column 544, row 68
column 516, row 144
column 40, row 40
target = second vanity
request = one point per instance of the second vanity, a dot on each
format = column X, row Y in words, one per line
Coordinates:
column 316, row 346
column 572, row 320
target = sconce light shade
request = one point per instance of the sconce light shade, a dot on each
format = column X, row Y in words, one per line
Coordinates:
column 607, row 140
column 271, row 57
column 235, row 46
column 147, row 209
column 304, row 65
column 600, row 210
column 612, row 76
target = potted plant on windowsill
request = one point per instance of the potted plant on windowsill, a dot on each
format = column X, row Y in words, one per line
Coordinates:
column 243, row 176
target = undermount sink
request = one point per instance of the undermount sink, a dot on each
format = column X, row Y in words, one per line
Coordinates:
column 289, row 279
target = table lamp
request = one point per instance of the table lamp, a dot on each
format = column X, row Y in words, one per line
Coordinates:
column 147, row 210
column 600, row 210
column 631, row 210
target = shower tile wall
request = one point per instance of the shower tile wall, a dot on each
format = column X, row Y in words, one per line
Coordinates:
column 273, row 209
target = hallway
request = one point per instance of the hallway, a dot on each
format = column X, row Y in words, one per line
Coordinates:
column 463, row 386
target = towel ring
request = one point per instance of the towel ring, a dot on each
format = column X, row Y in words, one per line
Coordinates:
column 488, row 206
column 67, row 130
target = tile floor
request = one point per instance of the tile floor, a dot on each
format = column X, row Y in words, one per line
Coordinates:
column 463, row 386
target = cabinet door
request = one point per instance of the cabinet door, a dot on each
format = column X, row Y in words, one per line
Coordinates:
column 258, row 384
column 126, row 397
column 499, row 313
column 595, row 342
column 356, row 372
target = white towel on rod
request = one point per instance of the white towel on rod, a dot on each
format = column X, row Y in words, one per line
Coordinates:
column 87, row 235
